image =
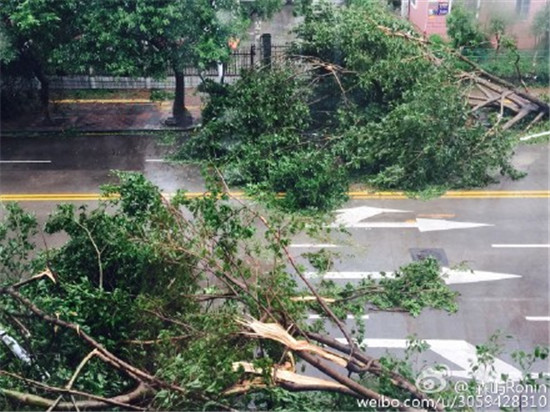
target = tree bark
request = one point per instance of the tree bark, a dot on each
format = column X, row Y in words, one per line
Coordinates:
column 38, row 71
column 181, row 116
column 178, row 109
column 45, row 98
column 44, row 91
column 125, row 400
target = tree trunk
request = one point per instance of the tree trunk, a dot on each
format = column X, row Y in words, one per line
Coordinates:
column 178, row 109
column 38, row 71
column 45, row 98
column 181, row 116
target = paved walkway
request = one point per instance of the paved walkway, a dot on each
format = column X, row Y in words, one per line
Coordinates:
column 116, row 114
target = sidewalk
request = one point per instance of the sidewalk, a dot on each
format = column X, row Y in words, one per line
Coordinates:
column 111, row 114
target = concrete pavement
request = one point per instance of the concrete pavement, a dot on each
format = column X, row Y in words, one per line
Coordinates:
column 112, row 114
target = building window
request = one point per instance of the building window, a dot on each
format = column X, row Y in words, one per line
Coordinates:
column 522, row 8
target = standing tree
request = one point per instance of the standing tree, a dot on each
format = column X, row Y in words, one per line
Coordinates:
column 140, row 37
column 34, row 31
column 464, row 30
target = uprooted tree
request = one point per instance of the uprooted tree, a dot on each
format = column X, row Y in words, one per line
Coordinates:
column 361, row 97
column 190, row 304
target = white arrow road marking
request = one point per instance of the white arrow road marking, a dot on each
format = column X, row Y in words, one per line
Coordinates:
column 520, row 246
column 538, row 318
column 458, row 352
column 423, row 225
column 313, row 245
column 350, row 217
column 353, row 217
column 453, row 276
column 450, row 276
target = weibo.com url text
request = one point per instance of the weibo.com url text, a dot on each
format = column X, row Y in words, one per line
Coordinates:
column 462, row 400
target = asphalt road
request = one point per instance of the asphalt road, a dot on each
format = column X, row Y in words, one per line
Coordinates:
column 514, row 240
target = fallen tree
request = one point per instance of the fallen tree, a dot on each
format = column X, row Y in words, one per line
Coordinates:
column 142, row 307
column 192, row 304
column 361, row 98
column 495, row 92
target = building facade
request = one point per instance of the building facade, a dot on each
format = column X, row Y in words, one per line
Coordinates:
column 429, row 16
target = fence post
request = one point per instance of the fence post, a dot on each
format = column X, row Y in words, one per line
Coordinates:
column 265, row 42
column 252, row 54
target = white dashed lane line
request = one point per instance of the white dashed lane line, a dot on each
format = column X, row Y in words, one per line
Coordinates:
column 24, row 161
column 526, row 245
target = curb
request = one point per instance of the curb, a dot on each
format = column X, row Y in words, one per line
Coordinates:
column 77, row 132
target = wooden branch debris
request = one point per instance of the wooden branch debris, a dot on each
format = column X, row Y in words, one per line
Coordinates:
column 287, row 379
column 311, row 299
column 102, row 352
column 352, row 360
column 364, row 363
column 276, row 332
column 45, row 273
column 97, row 402
column 497, row 92
column 495, row 95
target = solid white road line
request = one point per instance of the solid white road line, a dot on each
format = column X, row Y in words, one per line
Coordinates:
column 155, row 160
column 24, row 161
column 526, row 245
column 538, row 318
column 524, row 138
column 351, row 317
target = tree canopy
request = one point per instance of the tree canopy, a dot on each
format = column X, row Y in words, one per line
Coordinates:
column 361, row 98
column 31, row 32
column 141, row 37
column 130, row 38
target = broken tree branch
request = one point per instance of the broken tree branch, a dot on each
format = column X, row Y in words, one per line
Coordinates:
column 97, row 251
column 79, row 368
column 481, row 76
column 286, row 379
column 103, row 353
column 374, row 366
column 98, row 402
column 351, row 384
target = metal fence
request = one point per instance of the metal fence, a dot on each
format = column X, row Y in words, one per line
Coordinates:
column 239, row 60
column 531, row 64
column 491, row 55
